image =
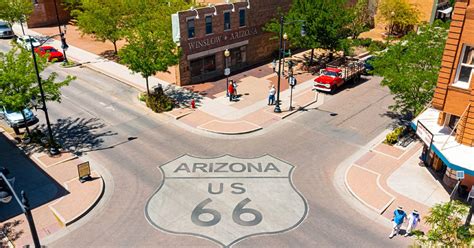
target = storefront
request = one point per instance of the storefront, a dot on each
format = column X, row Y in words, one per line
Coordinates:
column 204, row 34
column 441, row 152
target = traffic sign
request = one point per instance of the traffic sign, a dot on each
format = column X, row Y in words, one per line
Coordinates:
column 292, row 81
column 226, row 199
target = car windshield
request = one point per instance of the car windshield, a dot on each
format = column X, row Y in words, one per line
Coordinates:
column 51, row 50
column 330, row 73
column 4, row 26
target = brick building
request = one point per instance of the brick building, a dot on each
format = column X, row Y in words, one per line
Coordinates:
column 44, row 14
column 447, row 128
column 205, row 33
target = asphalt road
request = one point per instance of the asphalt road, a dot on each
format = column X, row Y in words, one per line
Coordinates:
column 101, row 119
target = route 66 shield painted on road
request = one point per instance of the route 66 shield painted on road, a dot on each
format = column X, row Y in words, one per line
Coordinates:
column 226, row 199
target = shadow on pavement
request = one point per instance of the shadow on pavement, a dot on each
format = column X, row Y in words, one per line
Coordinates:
column 39, row 187
column 75, row 135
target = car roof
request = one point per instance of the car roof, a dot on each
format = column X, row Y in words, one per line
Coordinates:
column 3, row 23
column 332, row 69
column 47, row 47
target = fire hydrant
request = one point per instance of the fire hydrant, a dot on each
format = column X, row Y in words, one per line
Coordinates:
column 193, row 104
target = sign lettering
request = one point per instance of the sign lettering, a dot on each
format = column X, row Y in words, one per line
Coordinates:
column 226, row 199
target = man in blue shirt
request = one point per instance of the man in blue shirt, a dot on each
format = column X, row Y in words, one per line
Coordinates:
column 398, row 217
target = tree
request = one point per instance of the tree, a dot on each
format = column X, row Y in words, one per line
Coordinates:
column 326, row 24
column 15, row 10
column 446, row 227
column 400, row 15
column 103, row 19
column 18, row 80
column 410, row 67
column 150, row 47
column 361, row 18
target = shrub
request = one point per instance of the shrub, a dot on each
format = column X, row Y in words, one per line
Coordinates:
column 392, row 137
column 159, row 102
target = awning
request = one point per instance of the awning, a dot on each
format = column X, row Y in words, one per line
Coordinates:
column 456, row 156
column 446, row 11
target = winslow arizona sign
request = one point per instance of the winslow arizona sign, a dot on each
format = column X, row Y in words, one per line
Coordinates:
column 226, row 199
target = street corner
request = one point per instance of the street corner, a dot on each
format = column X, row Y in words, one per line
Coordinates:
column 226, row 199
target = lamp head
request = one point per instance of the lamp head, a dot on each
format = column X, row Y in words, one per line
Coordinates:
column 285, row 36
column 226, row 53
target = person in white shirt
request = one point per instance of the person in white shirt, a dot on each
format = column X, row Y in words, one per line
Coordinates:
column 413, row 220
column 271, row 95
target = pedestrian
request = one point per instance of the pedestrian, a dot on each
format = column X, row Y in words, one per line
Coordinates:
column 230, row 89
column 274, row 65
column 413, row 220
column 398, row 217
column 271, row 95
column 234, row 84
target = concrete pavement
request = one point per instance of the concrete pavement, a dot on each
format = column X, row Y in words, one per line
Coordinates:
column 385, row 177
column 56, row 196
column 214, row 112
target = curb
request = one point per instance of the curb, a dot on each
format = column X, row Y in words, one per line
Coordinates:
column 83, row 213
column 90, row 66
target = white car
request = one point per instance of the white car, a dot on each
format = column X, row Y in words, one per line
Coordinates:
column 24, row 41
column 15, row 119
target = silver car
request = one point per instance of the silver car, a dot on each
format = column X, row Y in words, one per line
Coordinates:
column 15, row 119
column 5, row 30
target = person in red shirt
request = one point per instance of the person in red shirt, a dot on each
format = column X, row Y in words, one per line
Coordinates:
column 231, row 92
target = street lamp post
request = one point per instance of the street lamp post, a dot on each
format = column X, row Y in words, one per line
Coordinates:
column 227, row 71
column 52, row 149
column 6, row 192
column 63, row 38
column 285, row 37
column 281, row 38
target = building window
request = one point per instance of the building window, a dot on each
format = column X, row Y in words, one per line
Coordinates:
column 465, row 69
column 203, row 66
column 242, row 17
column 209, row 24
column 191, row 31
column 226, row 20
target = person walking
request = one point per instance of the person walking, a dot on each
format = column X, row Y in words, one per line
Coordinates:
column 231, row 92
column 413, row 220
column 274, row 65
column 398, row 217
column 271, row 95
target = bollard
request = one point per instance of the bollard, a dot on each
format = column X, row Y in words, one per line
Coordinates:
column 193, row 104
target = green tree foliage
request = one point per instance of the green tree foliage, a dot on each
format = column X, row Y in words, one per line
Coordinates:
column 446, row 227
column 400, row 15
column 103, row 19
column 15, row 10
column 410, row 67
column 72, row 4
column 150, row 47
column 361, row 18
column 18, row 81
column 326, row 24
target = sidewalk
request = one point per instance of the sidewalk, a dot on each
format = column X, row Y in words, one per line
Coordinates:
column 390, row 176
column 214, row 112
column 56, row 196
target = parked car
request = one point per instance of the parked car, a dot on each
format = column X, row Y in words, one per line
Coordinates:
column 15, row 119
column 367, row 63
column 53, row 54
column 5, row 30
column 24, row 41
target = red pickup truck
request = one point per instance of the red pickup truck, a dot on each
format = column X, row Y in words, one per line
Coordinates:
column 338, row 73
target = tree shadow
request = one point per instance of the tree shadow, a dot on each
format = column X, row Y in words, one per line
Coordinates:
column 110, row 55
column 182, row 97
column 399, row 119
column 7, row 230
column 75, row 135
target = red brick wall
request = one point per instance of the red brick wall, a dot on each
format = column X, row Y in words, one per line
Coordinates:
column 259, row 48
column 44, row 14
